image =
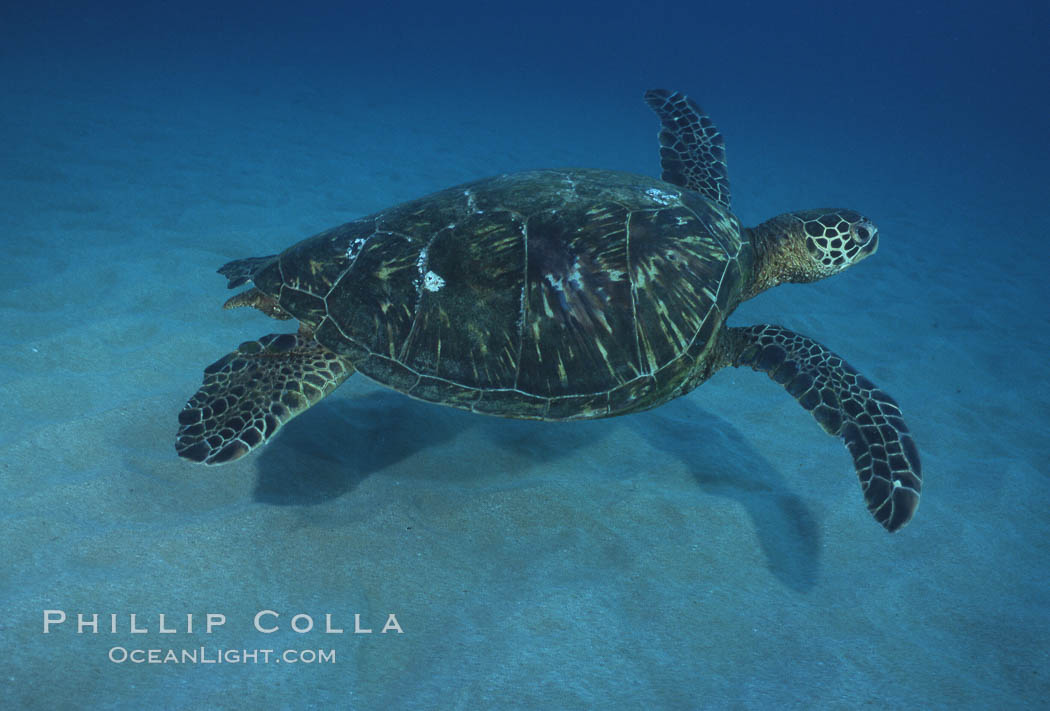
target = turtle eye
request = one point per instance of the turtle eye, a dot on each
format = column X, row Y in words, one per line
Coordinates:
column 864, row 233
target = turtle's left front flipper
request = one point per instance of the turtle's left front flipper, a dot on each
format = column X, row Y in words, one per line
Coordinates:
column 847, row 405
column 250, row 393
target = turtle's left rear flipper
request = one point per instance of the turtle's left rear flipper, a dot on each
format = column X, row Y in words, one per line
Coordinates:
column 847, row 405
column 240, row 271
column 249, row 394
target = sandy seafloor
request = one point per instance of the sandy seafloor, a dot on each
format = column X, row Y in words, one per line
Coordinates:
column 713, row 553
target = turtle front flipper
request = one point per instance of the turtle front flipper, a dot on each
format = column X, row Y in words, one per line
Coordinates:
column 249, row 394
column 692, row 152
column 846, row 404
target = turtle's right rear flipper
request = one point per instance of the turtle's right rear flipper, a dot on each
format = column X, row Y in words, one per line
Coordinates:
column 249, row 394
column 241, row 271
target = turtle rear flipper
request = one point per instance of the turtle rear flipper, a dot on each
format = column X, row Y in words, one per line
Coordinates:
column 241, row 271
column 250, row 393
column 847, row 405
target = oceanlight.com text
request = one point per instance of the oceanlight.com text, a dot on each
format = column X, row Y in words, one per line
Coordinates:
column 204, row 655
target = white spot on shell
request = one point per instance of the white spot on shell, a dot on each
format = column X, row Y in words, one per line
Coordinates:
column 472, row 203
column 355, row 248
column 568, row 193
column 432, row 282
column 575, row 277
column 664, row 198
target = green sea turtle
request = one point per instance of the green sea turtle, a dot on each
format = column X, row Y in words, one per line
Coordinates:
column 554, row 295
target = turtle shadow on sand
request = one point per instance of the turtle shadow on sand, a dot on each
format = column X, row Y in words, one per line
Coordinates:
column 322, row 457
column 375, row 431
column 378, row 429
column 723, row 462
column 720, row 459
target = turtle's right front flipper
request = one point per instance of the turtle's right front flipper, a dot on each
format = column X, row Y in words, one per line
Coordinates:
column 249, row 394
column 847, row 405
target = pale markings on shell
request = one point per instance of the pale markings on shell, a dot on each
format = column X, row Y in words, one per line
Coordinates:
column 570, row 192
column 520, row 323
column 523, row 225
column 575, row 278
column 421, row 266
column 662, row 197
column 432, row 282
column 428, row 279
column 546, row 305
column 355, row 248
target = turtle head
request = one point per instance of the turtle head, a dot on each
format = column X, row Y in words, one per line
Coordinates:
column 834, row 239
column 809, row 245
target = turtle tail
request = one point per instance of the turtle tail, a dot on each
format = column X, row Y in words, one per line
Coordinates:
column 847, row 405
column 241, row 271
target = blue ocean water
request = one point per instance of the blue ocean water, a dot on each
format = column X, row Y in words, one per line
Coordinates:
column 712, row 553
